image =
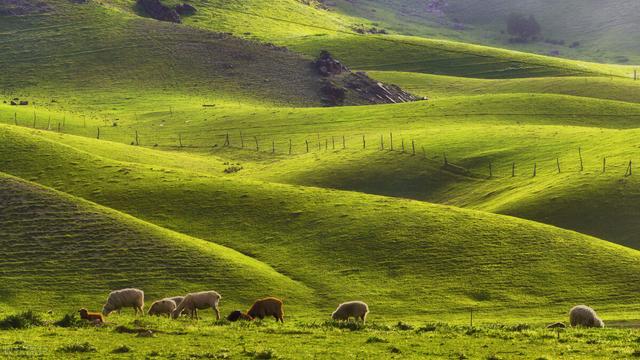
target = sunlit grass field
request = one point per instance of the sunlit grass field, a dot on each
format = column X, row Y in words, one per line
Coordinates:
column 175, row 159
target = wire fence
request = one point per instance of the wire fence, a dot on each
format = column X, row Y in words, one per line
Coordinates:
column 300, row 143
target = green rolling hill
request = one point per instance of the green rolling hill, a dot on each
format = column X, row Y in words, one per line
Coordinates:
column 71, row 252
column 487, row 261
column 190, row 142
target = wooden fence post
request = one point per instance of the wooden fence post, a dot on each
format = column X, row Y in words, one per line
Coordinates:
column 604, row 164
column 344, row 142
column 364, row 142
column 137, row 139
column 290, row 146
column 15, row 118
column 446, row 162
column 490, row 170
column 381, row 142
column 98, row 137
column 558, row 164
column 513, row 169
column 628, row 173
column 226, row 140
column 34, row 119
column 403, row 146
column 326, row 144
column 257, row 144
column 241, row 140
column 307, row 143
column 413, row 147
column 180, row 139
column 333, row 142
column 391, row 142
column 535, row 169
column 273, row 146
column 581, row 163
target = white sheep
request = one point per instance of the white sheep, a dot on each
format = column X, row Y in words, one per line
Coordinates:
column 162, row 307
column 119, row 299
column 198, row 301
column 583, row 315
column 355, row 309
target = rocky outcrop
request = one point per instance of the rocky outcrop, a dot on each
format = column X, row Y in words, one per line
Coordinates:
column 185, row 9
column 327, row 66
column 341, row 86
column 156, row 10
column 376, row 92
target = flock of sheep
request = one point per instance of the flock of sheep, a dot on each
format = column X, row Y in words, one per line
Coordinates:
column 580, row 315
column 191, row 303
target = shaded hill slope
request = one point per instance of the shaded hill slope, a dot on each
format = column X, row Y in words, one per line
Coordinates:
column 90, row 55
column 74, row 252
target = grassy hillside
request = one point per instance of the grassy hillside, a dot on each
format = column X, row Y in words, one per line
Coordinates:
column 88, row 55
column 532, row 130
column 182, row 157
column 436, row 86
column 72, row 252
column 308, row 30
column 492, row 262
column 602, row 28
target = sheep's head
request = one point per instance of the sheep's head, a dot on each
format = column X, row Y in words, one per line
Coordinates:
column 175, row 314
column 334, row 315
column 152, row 310
column 107, row 309
column 599, row 323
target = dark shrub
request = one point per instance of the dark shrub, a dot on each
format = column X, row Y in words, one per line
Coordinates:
column 523, row 28
column 70, row 321
column 23, row 320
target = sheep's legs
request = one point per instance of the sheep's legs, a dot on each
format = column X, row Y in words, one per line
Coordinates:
column 217, row 311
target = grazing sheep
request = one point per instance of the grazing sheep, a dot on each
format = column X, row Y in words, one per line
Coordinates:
column 94, row 317
column 198, row 301
column 583, row 315
column 177, row 300
column 162, row 307
column 267, row 307
column 238, row 315
column 119, row 299
column 355, row 309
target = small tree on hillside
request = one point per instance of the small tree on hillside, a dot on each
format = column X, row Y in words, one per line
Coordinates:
column 523, row 28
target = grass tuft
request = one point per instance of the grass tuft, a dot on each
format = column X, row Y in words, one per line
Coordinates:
column 70, row 321
column 78, row 348
column 23, row 320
